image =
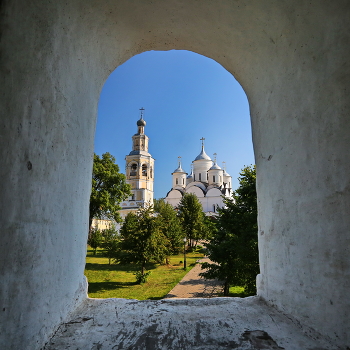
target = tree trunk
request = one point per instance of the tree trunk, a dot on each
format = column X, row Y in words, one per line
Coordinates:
column 90, row 224
column 226, row 289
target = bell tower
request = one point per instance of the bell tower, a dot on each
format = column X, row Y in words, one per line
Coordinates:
column 139, row 170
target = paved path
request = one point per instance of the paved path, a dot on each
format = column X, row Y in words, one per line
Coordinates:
column 194, row 286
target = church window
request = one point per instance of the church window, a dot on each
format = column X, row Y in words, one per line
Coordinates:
column 177, row 181
column 200, row 177
column 133, row 170
column 132, row 197
column 150, row 172
column 220, row 178
column 183, row 181
column 214, row 208
column 213, row 178
column 144, row 170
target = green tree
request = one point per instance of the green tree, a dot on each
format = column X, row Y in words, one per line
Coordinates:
column 109, row 188
column 158, row 204
column 95, row 239
column 233, row 249
column 142, row 240
column 170, row 226
column 192, row 218
column 110, row 243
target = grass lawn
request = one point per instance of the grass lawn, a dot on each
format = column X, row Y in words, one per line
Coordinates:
column 237, row 292
column 118, row 281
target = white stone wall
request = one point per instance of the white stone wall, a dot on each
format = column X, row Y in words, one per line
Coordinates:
column 179, row 179
column 200, row 168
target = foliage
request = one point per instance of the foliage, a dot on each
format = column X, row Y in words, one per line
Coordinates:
column 170, row 226
column 234, row 247
column 142, row 240
column 94, row 239
column 209, row 227
column 110, row 243
column 109, row 188
column 142, row 278
column 192, row 218
column 158, row 204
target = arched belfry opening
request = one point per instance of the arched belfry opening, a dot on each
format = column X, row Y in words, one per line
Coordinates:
column 291, row 60
column 185, row 95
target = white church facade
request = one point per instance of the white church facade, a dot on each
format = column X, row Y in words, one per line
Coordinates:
column 139, row 171
column 208, row 181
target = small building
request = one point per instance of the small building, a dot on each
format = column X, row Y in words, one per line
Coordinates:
column 207, row 180
column 103, row 224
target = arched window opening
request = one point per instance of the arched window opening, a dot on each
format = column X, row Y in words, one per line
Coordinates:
column 144, row 170
column 213, row 178
column 168, row 146
column 133, row 170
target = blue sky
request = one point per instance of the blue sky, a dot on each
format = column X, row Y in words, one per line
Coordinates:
column 186, row 96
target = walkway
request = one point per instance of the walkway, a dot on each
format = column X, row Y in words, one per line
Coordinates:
column 194, row 286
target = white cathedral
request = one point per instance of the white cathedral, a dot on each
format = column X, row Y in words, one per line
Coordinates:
column 207, row 181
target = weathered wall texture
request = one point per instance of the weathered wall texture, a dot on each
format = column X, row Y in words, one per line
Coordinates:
column 292, row 60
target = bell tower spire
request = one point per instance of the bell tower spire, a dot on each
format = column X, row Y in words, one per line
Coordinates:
column 139, row 170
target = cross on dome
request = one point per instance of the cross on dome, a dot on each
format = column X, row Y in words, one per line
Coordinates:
column 142, row 109
column 202, row 155
column 179, row 168
column 141, row 121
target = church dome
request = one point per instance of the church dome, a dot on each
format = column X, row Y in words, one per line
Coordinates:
column 191, row 175
column 215, row 167
column 179, row 169
column 141, row 122
column 226, row 173
column 202, row 155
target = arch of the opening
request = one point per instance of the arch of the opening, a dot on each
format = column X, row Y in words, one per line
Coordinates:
column 188, row 102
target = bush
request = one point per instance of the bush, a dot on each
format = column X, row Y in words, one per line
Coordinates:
column 142, row 278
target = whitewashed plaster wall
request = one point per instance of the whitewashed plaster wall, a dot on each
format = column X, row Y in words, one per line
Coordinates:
column 291, row 58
